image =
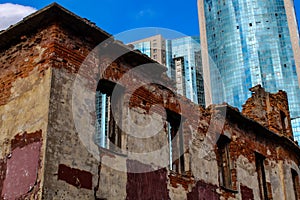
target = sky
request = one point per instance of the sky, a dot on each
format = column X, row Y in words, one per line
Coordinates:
column 117, row 16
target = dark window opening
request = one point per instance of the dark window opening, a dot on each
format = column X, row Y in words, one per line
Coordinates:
column 250, row 24
column 176, row 143
column 108, row 133
column 224, row 162
column 261, row 176
column 295, row 180
column 283, row 121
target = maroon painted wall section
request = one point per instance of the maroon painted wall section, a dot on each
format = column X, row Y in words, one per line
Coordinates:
column 19, row 170
column 75, row 177
column 203, row 191
column 22, row 170
column 150, row 185
column 2, row 173
column 247, row 193
column 24, row 139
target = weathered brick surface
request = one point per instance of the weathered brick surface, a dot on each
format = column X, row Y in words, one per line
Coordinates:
column 19, row 61
column 24, row 100
column 177, row 180
column 267, row 108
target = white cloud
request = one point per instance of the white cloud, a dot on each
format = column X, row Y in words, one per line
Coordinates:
column 13, row 13
column 145, row 13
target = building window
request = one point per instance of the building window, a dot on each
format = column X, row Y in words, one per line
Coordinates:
column 224, row 162
column 176, row 143
column 108, row 133
column 296, row 187
column 261, row 175
column 283, row 119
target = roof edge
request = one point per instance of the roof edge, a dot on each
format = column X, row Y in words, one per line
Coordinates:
column 44, row 17
column 266, row 132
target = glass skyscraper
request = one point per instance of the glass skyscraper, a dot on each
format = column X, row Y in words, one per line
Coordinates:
column 182, row 57
column 245, row 43
column 183, row 60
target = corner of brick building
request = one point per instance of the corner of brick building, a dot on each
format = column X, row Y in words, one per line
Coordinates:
column 30, row 51
column 25, row 81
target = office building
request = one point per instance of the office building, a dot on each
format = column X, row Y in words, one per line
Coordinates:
column 153, row 46
column 184, row 67
column 182, row 57
column 245, row 43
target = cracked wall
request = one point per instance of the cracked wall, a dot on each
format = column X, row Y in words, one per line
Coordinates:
column 24, row 101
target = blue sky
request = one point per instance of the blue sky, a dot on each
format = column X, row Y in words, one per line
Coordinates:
column 115, row 16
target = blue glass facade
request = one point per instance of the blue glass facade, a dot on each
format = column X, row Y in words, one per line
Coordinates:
column 144, row 47
column 183, row 60
column 249, row 43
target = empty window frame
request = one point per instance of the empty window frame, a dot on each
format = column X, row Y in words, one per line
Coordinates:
column 108, row 133
column 261, row 175
column 295, row 179
column 283, row 119
column 224, row 162
column 176, row 143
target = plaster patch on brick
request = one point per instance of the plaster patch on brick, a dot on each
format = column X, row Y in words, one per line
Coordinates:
column 28, row 111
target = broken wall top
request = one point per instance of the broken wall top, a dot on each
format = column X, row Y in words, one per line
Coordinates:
column 269, row 110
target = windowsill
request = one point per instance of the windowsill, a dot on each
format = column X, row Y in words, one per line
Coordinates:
column 109, row 151
column 184, row 175
column 229, row 189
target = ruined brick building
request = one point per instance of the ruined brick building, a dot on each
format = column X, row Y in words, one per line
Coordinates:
column 59, row 74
